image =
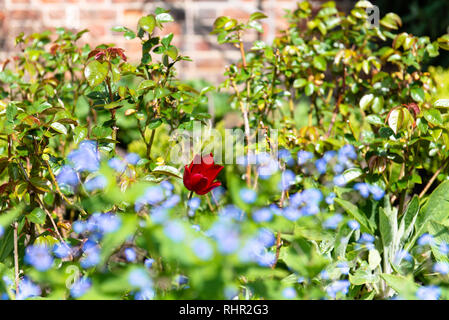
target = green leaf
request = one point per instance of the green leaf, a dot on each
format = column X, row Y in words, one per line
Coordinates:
column 9, row 216
column 357, row 214
column 147, row 23
column 391, row 21
column 168, row 171
column 164, row 17
column 374, row 119
column 396, row 119
column 407, row 222
column 441, row 103
column 433, row 116
column 319, row 62
column 366, row 101
column 257, row 16
column 59, row 127
column 405, row 287
column 299, row 83
column 352, row 174
column 37, row 216
column 417, row 94
column 96, row 72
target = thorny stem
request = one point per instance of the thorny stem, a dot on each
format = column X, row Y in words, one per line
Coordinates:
column 278, row 249
column 337, row 106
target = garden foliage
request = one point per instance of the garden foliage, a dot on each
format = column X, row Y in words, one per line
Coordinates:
column 351, row 200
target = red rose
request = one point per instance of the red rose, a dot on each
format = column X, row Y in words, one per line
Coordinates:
column 199, row 176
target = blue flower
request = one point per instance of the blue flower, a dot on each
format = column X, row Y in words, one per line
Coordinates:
column 289, row 293
column 117, row 164
column 2, row 231
column 80, row 287
column 167, row 186
column 344, row 268
column 444, row 248
column 180, row 279
column 108, row 222
column 139, row 278
column 231, row 211
column 330, row 198
column 145, row 294
column 312, row 196
column 159, row 215
column 152, row 196
column 86, row 157
column 321, row 165
column 171, row 201
column 286, row 155
column 39, row 257
column 353, row 224
column 304, row 156
column 248, row 195
column 341, row 286
column 262, row 215
column 329, row 155
column 230, row 292
column 132, row 158
column 287, row 179
column 226, row 234
column 97, row 183
column 338, row 168
column 67, row 176
column 291, row 214
column 428, row 293
column 339, row 180
column 366, row 238
column 363, row 188
column 266, row 237
column 441, row 267
column 267, row 165
column 202, row 249
column 91, row 258
column 346, row 152
column 130, row 254
column 194, row 203
column 402, row 255
column 425, row 239
column 79, row 226
column 266, row 259
column 148, row 262
column 333, row 221
column 175, row 231
column 377, row 192
column 61, row 250
column 27, row 289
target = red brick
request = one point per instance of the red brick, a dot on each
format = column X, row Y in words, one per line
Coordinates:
column 98, row 14
column 24, row 14
column 236, row 13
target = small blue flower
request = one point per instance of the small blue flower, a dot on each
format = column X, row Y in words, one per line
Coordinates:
column 86, row 157
column 67, row 176
column 330, row 198
column 321, row 166
column 312, row 196
column 175, row 231
column 286, row 155
column 377, row 192
column 2, row 231
column 441, row 267
column 152, row 196
column 171, row 201
column 80, row 287
column 402, row 255
column 332, row 222
column 324, row 275
column 344, row 268
column 27, row 289
column 181, row 280
column 444, row 248
column 346, row 152
column 341, row 286
column 353, row 224
column 231, row 211
column 289, row 293
column 363, row 189
column 291, row 214
column 61, row 250
column 97, row 183
column 202, row 249
column 338, row 168
column 108, row 222
column 266, row 237
column 117, row 164
column 248, row 195
column 130, row 254
column 304, row 156
column 366, row 238
column 132, row 158
column 226, row 234
column 159, row 215
column 266, row 259
column 329, row 155
column 194, row 203
column 145, row 294
column 39, row 257
column 425, row 239
column 262, row 215
column 91, row 258
column 148, row 262
column 287, row 179
column 139, row 278
column 339, row 180
column 428, row 293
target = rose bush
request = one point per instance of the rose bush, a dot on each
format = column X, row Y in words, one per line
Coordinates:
column 342, row 196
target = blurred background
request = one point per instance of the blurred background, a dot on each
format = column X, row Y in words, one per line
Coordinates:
column 194, row 19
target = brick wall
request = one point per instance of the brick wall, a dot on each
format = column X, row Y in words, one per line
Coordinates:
column 194, row 19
